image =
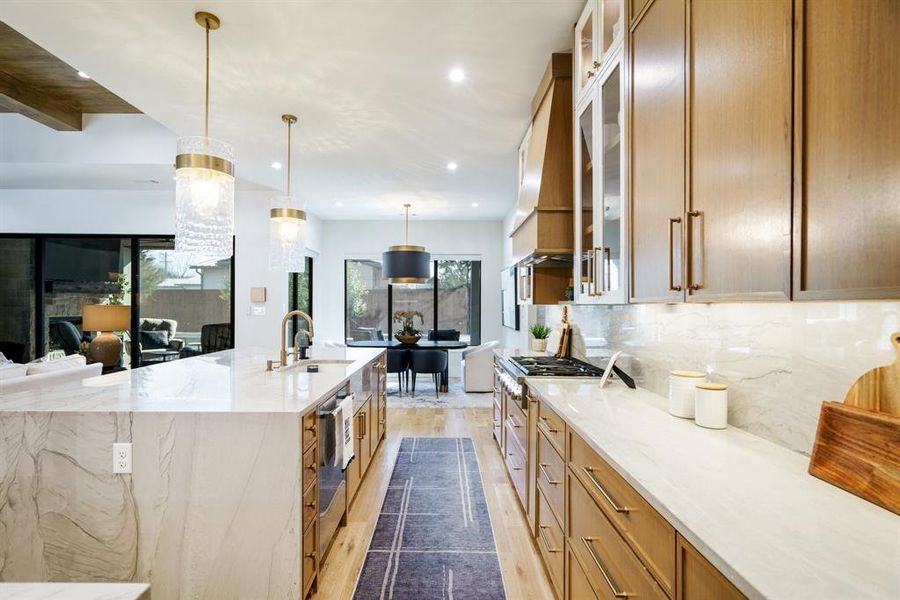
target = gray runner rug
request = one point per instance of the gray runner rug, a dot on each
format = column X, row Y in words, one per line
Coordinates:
column 433, row 539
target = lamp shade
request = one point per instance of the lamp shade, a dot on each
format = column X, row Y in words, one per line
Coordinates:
column 406, row 264
column 287, row 235
column 106, row 317
column 204, row 197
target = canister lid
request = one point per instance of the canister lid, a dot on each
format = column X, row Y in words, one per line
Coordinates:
column 687, row 373
column 712, row 386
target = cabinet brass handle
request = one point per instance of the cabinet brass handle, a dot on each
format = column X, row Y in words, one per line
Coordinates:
column 597, row 64
column 598, row 275
column 672, row 286
column 590, row 474
column 692, row 285
column 512, row 422
column 612, row 586
column 311, row 505
column 311, row 555
column 550, row 548
column 590, row 74
column 546, row 475
column 548, row 426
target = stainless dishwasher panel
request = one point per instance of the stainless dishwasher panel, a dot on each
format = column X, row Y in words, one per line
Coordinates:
column 332, row 480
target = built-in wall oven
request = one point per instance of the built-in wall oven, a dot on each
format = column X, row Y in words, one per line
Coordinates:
column 332, row 467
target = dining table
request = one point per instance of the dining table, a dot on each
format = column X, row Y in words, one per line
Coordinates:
column 444, row 345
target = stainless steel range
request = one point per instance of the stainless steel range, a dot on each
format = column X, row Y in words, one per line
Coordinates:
column 515, row 369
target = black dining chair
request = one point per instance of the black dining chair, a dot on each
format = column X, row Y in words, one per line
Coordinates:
column 443, row 335
column 398, row 362
column 428, row 361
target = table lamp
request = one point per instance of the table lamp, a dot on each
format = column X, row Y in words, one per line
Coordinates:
column 106, row 348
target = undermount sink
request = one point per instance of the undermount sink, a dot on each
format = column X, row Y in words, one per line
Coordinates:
column 303, row 364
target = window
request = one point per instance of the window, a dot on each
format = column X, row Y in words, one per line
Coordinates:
column 187, row 298
column 366, row 301
column 181, row 305
column 300, row 296
column 451, row 299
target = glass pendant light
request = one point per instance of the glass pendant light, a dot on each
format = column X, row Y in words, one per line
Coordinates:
column 287, row 223
column 204, row 183
column 405, row 264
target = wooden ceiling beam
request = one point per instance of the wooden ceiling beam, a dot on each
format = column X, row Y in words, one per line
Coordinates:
column 16, row 96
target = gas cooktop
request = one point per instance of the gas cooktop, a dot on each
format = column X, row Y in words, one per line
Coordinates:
column 550, row 366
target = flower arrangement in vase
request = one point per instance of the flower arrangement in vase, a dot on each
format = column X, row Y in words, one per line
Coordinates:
column 408, row 334
column 540, row 332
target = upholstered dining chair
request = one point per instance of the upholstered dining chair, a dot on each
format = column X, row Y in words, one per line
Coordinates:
column 428, row 361
column 443, row 335
column 398, row 362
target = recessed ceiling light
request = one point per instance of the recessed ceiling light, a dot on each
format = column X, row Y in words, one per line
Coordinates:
column 83, row 75
column 451, row 166
column 474, row 205
column 339, row 204
column 276, row 165
column 456, row 75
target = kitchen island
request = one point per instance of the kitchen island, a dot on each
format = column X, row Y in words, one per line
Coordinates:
column 214, row 506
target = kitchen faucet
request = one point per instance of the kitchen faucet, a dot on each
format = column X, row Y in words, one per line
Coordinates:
column 284, row 321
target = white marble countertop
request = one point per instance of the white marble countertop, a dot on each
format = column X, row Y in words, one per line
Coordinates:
column 228, row 381
column 748, row 505
column 74, row 591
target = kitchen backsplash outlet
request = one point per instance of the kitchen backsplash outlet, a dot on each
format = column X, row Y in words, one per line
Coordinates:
column 780, row 361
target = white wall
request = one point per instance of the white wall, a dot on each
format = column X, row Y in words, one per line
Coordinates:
column 510, row 338
column 138, row 213
column 368, row 239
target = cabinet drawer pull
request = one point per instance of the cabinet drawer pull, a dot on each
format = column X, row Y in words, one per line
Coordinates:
column 513, row 422
column 311, row 505
column 550, row 548
column 516, row 468
column 612, row 586
column 598, row 272
column 311, row 555
column 549, row 427
column 672, row 286
column 607, row 252
column 546, row 475
column 691, row 284
column 590, row 474
column 311, row 429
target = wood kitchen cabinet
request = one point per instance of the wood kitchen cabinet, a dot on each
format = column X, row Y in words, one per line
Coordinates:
column 656, row 152
column 698, row 579
column 738, row 220
column 847, row 150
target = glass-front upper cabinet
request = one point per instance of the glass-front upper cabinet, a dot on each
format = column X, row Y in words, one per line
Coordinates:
column 598, row 37
column 599, row 191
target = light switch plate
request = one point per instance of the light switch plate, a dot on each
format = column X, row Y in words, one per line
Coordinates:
column 122, row 457
column 259, row 311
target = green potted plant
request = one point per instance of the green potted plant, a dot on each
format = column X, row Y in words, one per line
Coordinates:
column 540, row 332
column 408, row 334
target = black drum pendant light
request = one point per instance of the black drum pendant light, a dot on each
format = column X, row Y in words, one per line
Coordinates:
column 406, row 264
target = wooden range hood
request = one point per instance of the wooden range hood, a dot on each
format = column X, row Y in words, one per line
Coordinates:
column 543, row 231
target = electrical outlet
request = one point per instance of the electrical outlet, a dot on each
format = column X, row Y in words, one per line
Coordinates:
column 122, row 458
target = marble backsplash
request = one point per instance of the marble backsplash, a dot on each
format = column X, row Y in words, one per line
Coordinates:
column 780, row 361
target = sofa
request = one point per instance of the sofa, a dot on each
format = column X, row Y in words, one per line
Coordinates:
column 478, row 368
column 41, row 374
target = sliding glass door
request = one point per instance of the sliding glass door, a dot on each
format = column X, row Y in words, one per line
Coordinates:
column 300, row 296
column 184, row 303
column 459, row 298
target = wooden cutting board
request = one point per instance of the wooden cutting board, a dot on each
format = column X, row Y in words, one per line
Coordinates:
column 879, row 389
column 857, row 445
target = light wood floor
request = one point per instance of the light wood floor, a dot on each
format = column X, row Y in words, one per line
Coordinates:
column 523, row 572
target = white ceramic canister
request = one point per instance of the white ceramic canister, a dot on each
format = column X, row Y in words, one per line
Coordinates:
column 711, row 405
column 681, row 392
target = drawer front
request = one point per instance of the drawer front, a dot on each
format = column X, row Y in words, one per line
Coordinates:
column 579, row 586
column 382, row 416
column 553, row 426
column 310, row 506
column 551, row 542
column 353, row 473
column 611, row 566
column 649, row 535
column 518, row 423
column 363, row 429
column 309, row 559
column 515, row 465
column 310, row 467
column 310, row 425
column 551, row 475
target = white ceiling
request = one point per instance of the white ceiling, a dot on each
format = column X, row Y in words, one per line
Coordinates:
column 379, row 118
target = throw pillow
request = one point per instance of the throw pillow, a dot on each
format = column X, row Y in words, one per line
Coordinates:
column 73, row 361
column 153, row 340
